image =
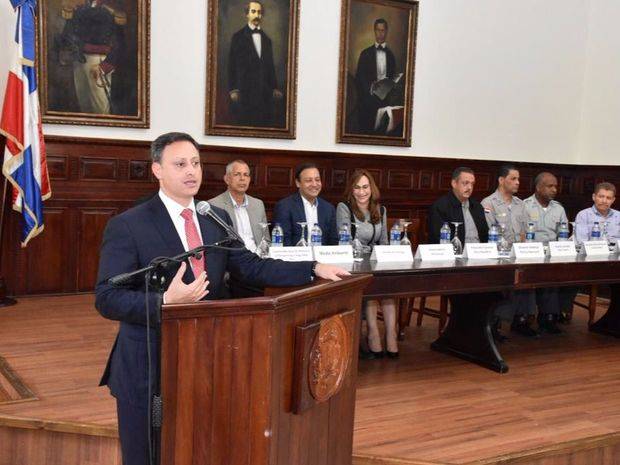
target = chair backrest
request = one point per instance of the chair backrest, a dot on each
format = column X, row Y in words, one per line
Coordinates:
column 413, row 230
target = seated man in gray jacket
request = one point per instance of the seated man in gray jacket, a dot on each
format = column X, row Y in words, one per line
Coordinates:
column 246, row 212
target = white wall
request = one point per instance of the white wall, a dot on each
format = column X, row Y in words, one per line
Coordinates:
column 7, row 29
column 600, row 124
column 494, row 79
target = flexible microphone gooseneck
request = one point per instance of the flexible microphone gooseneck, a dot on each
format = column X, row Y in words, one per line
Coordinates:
column 204, row 208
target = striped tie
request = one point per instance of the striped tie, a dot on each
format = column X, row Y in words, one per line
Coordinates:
column 193, row 241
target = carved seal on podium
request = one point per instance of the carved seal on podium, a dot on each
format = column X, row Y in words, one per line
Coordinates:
column 329, row 358
column 323, row 351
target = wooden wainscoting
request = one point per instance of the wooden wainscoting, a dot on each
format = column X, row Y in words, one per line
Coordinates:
column 94, row 179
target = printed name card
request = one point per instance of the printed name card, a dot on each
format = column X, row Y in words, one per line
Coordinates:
column 596, row 248
column 333, row 254
column 392, row 253
column 291, row 254
column 435, row 252
column 527, row 250
column 481, row 251
column 562, row 249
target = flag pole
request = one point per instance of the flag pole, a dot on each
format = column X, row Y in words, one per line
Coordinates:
column 4, row 300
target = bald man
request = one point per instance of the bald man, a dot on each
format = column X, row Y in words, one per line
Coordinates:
column 546, row 213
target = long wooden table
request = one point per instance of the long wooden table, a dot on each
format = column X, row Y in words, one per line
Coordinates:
column 468, row 332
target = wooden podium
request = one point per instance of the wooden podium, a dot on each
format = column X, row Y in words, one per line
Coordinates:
column 264, row 380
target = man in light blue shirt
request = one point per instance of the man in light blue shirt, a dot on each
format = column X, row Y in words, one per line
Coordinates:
column 601, row 212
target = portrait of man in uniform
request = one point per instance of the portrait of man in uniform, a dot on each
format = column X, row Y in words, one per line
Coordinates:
column 93, row 61
column 376, row 71
column 251, row 67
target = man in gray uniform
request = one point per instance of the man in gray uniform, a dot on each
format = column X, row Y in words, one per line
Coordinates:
column 546, row 214
column 505, row 209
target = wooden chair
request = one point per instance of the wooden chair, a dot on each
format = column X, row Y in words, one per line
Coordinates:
column 591, row 307
column 404, row 305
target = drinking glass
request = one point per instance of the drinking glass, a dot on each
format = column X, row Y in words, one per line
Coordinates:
column 358, row 250
column 405, row 240
column 604, row 233
column 574, row 236
column 456, row 242
column 302, row 242
column 504, row 244
column 263, row 247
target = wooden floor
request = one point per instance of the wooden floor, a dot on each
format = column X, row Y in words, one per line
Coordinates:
column 58, row 347
column 560, row 399
column 561, row 392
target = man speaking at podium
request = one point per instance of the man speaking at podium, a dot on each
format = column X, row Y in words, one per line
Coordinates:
column 168, row 225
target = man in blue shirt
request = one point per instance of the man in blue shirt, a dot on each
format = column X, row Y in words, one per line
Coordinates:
column 601, row 212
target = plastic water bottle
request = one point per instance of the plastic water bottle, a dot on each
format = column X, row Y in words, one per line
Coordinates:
column 563, row 234
column 316, row 235
column 344, row 238
column 530, row 234
column 395, row 235
column 493, row 234
column 444, row 234
column 595, row 234
column 277, row 236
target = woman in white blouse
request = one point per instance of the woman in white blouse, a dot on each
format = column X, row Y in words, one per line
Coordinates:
column 367, row 219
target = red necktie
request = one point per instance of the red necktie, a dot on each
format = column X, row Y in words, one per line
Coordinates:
column 193, row 241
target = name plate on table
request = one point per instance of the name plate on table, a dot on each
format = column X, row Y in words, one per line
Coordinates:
column 392, row 253
column 291, row 254
column 435, row 252
column 596, row 248
column 482, row 251
column 333, row 254
column 562, row 249
column 527, row 250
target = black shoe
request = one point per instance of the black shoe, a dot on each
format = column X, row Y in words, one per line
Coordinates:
column 497, row 335
column 565, row 317
column 495, row 331
column 521, row 326
column 375, row 355
column 391, row 354
column 547, row 323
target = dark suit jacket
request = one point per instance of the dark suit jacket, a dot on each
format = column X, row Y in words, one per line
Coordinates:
column 253, row 76
column 365, row 75
column 448, row 208
column 131, row 240
column 290, row 210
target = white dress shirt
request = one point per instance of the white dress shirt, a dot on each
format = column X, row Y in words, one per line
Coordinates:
column 257, row 40
column 174, row 210
column 244, row 227
column 312, row 214
column 381, row 62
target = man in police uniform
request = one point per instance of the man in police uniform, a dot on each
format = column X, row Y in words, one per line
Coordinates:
column 504, row 208
column 93, row 41
column 546, row 214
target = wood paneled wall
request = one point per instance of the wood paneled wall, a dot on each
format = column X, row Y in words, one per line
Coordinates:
column 93, row 179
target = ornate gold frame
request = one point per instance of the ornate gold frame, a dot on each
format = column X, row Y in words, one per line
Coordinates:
column 342, row 137
column 212, row 127
column 141, row 119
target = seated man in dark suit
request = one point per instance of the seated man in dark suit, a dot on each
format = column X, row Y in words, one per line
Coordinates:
column 458, row 206
column 167, row 225
column 306, row 206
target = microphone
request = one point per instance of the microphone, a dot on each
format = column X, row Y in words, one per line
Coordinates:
column 204, row 208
